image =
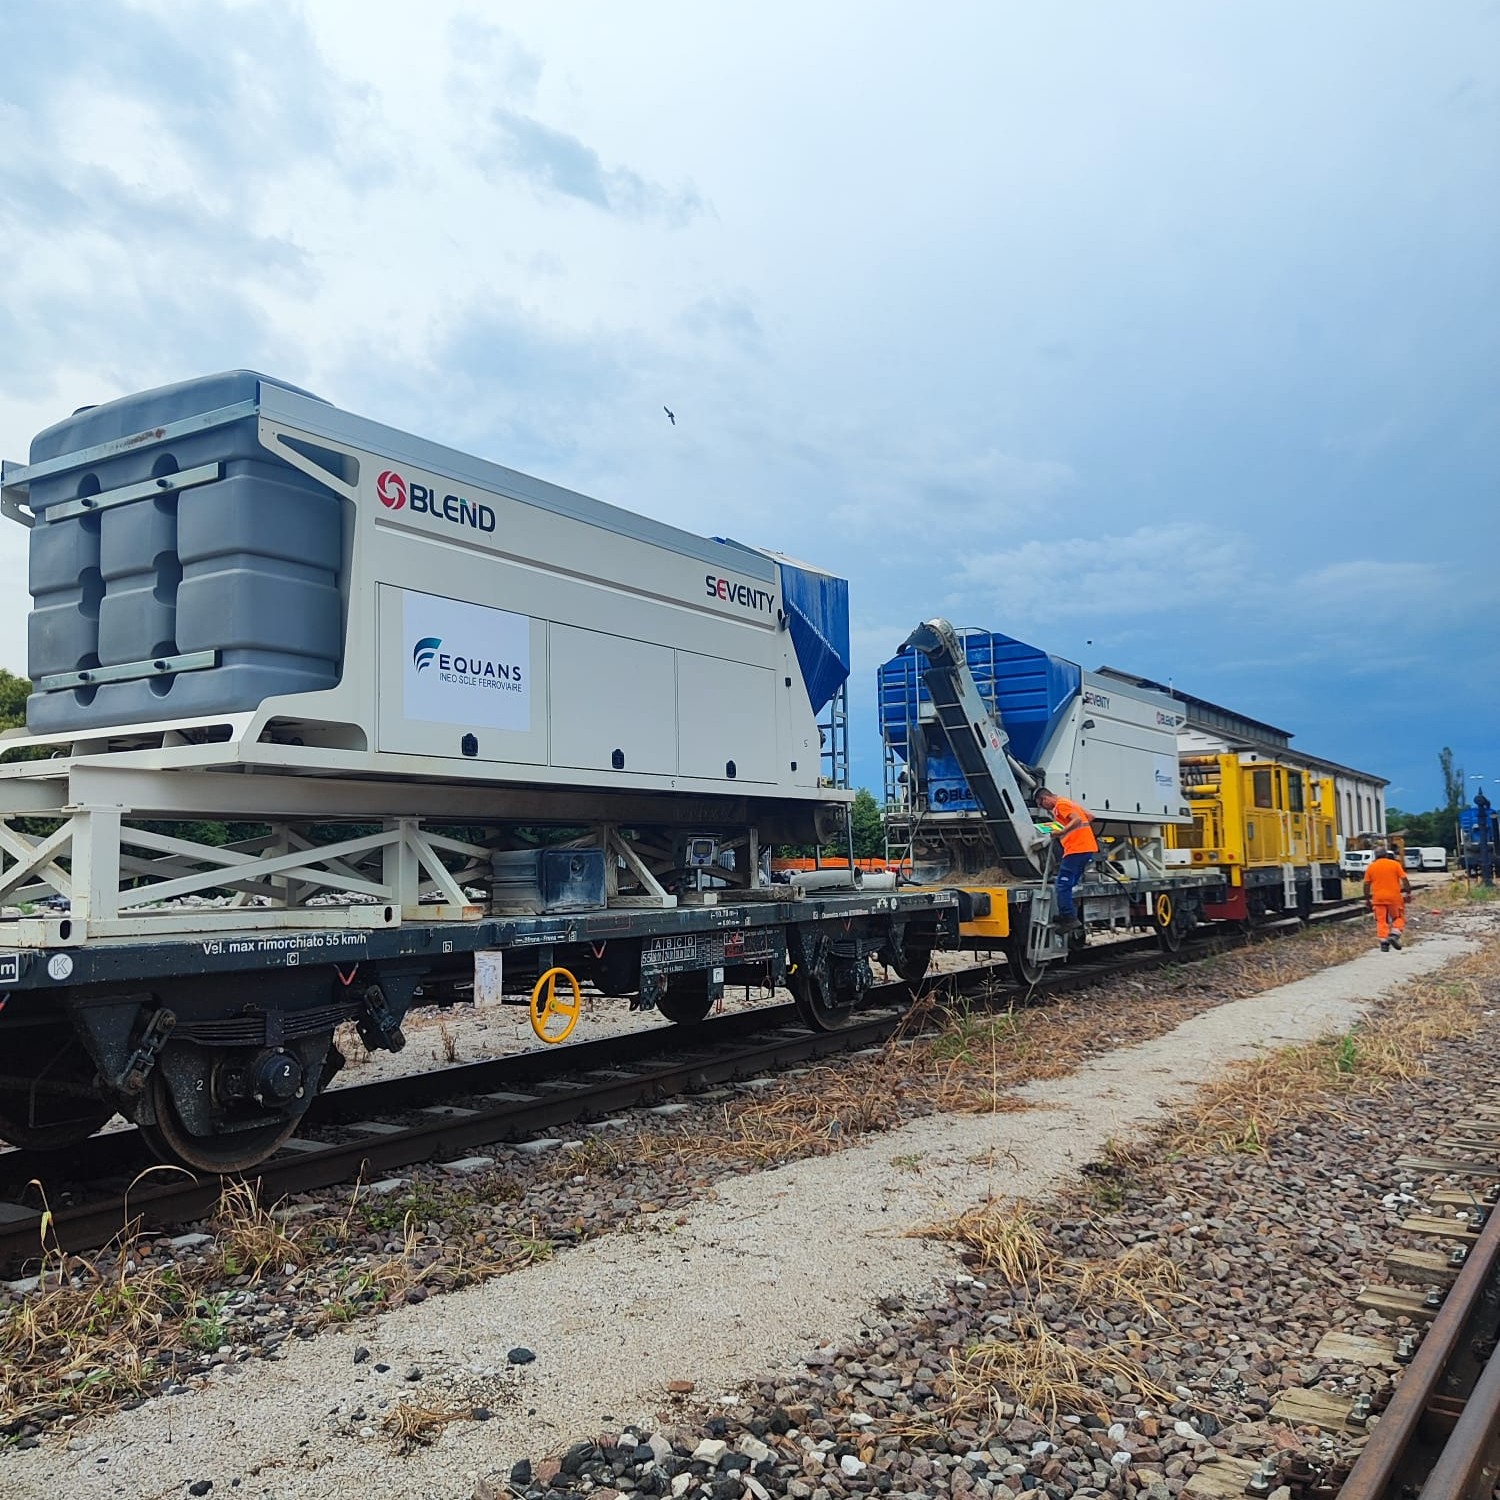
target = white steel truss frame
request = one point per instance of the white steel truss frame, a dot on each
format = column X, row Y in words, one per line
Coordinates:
column 72, row 830
column 125, row 881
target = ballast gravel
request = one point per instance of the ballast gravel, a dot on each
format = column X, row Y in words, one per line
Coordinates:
column 763, row 1273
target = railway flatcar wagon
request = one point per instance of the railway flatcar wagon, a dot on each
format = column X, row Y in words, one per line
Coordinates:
column 322, row 710
column 974, row 723
column 1269, row 827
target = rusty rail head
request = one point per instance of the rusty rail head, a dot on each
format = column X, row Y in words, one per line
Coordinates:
column 1469, row 1464
column 1378, row 1472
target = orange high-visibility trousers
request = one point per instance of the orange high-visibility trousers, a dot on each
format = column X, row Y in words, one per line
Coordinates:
column 1390, row 916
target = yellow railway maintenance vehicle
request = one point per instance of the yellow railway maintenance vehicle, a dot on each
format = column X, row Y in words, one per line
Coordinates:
column 1269, row 827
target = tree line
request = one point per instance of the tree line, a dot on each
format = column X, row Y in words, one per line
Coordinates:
column 1440, row 825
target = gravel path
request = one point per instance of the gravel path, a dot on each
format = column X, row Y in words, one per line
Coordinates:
column 760, row 1274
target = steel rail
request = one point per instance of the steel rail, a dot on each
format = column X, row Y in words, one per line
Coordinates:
column 1409, row 1438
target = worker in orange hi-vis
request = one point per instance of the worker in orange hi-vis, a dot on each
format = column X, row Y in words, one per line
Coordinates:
column 1079, row 846
column 1386, row 890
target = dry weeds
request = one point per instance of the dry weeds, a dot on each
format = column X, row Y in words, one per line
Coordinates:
column 1032, row 1366
column 105, row 1328
column 250, row 1236
column 418, row 1426
column 1256, row 1100
column 347, row 1039
column 1043, row 1373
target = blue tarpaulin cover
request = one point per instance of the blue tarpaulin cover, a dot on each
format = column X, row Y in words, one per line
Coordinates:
column 817, row 608
column 1028, row 688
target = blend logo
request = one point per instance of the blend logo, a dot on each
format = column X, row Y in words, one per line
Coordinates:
column 396, row 492
column 425, row 651
column 391, row 488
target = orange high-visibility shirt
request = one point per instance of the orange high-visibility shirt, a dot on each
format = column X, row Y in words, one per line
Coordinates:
column 1383, row 881
column 1081, row 840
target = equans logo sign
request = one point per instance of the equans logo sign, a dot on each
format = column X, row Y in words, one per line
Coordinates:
column 396, row 492
column 466, row 664
column 470, row 669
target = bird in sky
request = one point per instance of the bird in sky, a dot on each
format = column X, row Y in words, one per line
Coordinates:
column 671, row 415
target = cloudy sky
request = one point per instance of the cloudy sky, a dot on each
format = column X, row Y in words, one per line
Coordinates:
column 1163, row 335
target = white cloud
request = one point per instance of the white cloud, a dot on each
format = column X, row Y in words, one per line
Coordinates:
column 1057, row 329
column 1150, row 571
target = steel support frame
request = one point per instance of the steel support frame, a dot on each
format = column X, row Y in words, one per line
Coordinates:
column 93, row 853
column 115, row 876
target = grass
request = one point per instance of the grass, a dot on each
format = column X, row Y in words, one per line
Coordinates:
column 250, row 1237
column 347, row 1039
column 106, row 1328
column 1466, row 890
column 85, row 1336
column 421, row 1203
column 103, row 1330
column 1256, row 1101
column 1044, row 1373
column 1032, row 1365
column 962, row 1057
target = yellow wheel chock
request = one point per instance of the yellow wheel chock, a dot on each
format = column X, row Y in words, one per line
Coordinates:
column 546, row 1005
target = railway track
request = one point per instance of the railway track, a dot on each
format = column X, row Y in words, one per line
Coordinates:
column 1434, row 1434
column 366, row 1131
column 1439, row 1439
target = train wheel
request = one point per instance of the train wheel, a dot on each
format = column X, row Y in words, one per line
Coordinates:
column 818, row 1004
column 914, row 964
column 232, row 1151
column 824, row 1003
column 1023, row 969
column 685, row 1002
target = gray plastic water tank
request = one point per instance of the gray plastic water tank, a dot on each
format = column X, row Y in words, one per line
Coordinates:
column 245, row 565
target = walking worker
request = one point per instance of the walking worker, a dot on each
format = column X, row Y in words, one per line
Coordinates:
column 1079, row 846
column 1386, row 890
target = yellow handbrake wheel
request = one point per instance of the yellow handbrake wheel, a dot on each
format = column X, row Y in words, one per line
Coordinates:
column 547, row 1005
column 1164, row 910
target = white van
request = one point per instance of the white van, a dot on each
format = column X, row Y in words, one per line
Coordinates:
column 1354, row 862
column 1434, row 857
